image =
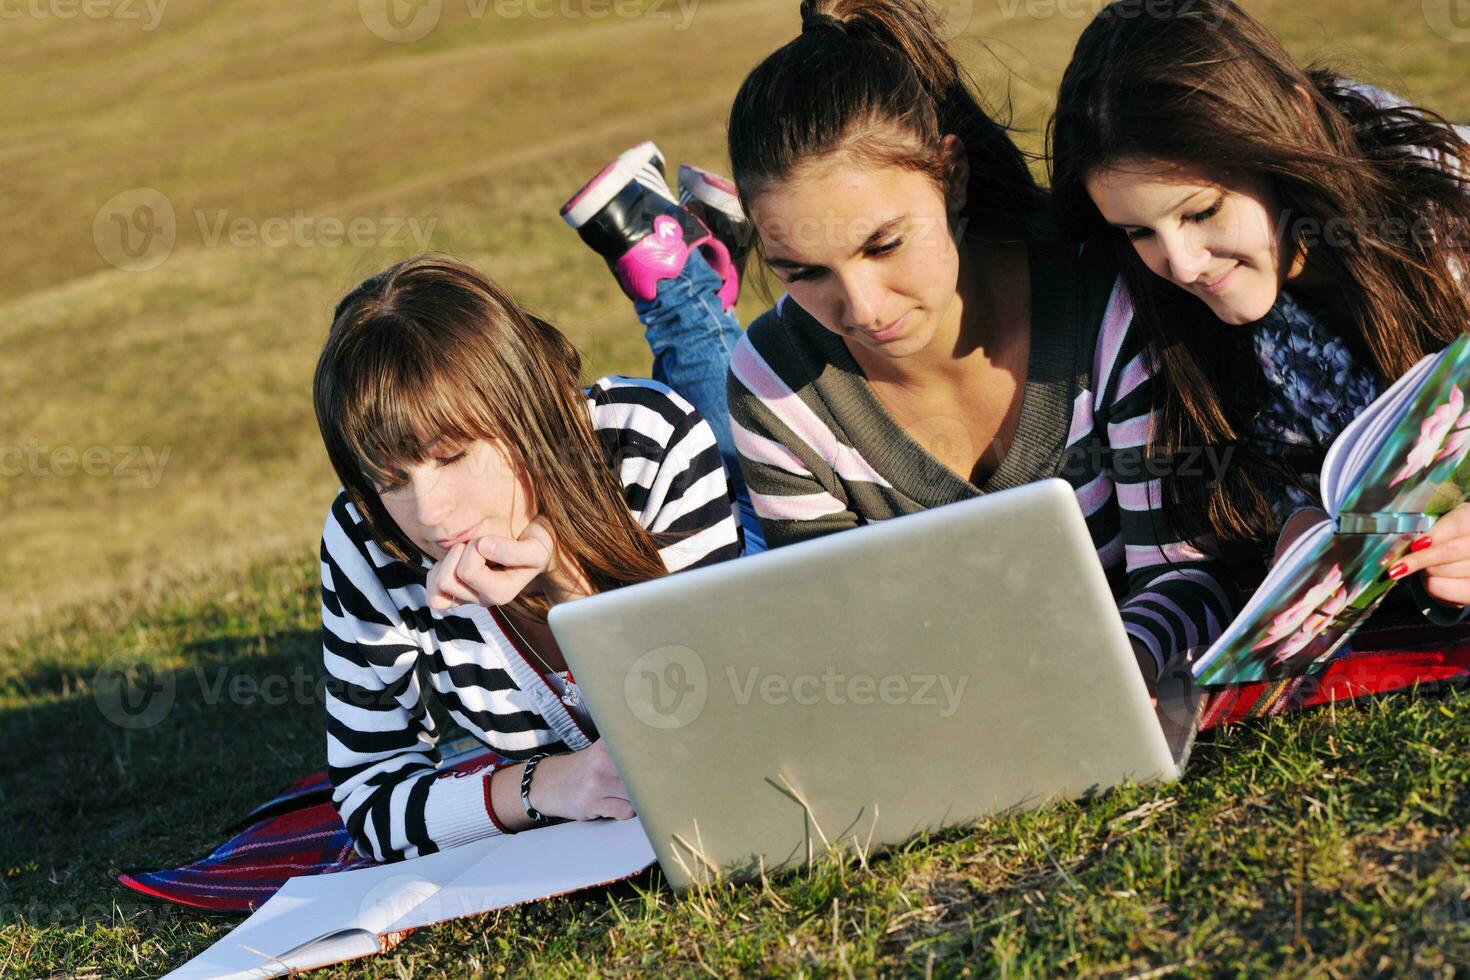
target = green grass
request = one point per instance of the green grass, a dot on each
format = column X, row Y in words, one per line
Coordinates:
column 1333, row 843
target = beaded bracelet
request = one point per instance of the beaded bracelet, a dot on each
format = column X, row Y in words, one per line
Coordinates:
column 533, row 814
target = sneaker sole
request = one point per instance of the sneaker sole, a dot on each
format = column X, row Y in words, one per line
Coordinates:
column 643, row 163
column 711, row 190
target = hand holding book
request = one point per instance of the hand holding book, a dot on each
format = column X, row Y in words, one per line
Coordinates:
column 1443, row 555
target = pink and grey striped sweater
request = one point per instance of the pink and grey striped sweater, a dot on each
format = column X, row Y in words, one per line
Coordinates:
column 822, row 454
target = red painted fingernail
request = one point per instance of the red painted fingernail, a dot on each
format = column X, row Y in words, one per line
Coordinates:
column 1398, row 571
column 1421, row 543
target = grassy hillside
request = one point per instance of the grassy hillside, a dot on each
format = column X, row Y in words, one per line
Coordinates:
column 162, row 487
column 260, row 123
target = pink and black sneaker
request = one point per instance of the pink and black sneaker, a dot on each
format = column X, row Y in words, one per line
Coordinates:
column 628, row 215
column 715, row 201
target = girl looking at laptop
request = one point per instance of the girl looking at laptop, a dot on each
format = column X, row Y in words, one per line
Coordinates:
column 1292, row 243
column 936, row 341
column 482, row 484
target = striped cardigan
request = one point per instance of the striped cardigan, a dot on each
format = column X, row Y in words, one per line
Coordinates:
column 821, row 453
column 381, row 643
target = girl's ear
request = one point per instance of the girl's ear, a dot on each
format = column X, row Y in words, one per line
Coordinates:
column 956, row 174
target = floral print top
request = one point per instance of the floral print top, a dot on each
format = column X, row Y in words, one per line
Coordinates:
column 1314, row 389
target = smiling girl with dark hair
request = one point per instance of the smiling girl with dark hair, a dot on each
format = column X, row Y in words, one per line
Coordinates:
column 1291, row 243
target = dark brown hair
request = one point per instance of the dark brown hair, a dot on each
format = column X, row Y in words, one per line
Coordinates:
column 432, row 349
column 875, row 79
column 1200, row 83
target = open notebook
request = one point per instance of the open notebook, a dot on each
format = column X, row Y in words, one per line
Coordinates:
column 1399, row 465
column 317, row 920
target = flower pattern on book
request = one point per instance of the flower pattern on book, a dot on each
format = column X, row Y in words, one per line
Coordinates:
column 1445, row 433
column 1291, row 631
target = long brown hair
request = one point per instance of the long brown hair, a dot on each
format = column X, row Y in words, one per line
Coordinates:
column 875, row 79
column 1198, row 82
column 432, row 349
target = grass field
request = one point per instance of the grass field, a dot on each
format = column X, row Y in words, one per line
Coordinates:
column 1333, row 844
column 162, row 487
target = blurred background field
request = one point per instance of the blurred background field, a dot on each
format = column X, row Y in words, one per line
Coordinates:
column 259, row 121
column 178, row 181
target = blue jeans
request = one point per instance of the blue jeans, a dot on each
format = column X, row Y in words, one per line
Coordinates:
column 691, row 338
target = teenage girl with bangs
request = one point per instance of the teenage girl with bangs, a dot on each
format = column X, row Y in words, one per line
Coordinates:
column 481, row 484
column 1292, row 243
column 936, row 341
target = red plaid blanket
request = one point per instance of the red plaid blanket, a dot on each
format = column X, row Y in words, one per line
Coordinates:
column 1382, row 661
column 295, row 833
column 299, row 832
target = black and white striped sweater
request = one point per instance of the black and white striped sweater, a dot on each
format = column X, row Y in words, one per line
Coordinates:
column 382, row 644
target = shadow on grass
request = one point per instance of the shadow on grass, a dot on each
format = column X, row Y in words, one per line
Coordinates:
column 149, row 771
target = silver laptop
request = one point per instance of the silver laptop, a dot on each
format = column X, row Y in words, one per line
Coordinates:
column 854, row 690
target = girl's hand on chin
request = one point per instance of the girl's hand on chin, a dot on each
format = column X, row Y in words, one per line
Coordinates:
column 1444, row 559
column 491, row 571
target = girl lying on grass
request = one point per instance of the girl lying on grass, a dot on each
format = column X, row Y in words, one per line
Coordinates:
column 1292, row 243
column 482, row 484
column 936, row 342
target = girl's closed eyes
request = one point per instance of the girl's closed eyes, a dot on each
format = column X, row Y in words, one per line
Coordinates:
column 876, row 251
column 1207, row 213
column 396, row 480
column 1198, row 217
